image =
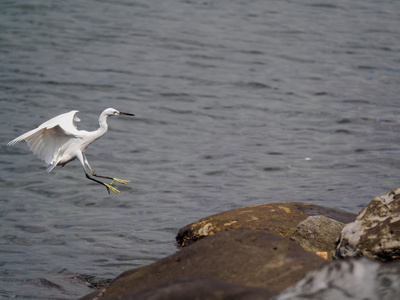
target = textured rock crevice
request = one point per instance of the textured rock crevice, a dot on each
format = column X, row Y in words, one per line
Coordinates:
column 376, row 231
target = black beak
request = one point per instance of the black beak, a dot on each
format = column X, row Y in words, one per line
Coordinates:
column 126, row 114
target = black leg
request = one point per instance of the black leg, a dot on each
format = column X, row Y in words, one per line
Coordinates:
column 109, row 187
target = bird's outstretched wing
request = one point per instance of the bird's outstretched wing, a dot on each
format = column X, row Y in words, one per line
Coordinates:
column 47, row 141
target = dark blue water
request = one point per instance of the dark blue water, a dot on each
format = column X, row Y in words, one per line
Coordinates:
column 237, row 103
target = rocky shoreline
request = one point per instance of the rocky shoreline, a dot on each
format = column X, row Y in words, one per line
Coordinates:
column 277, row 251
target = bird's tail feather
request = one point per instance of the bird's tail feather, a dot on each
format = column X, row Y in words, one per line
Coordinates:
column 50, row 167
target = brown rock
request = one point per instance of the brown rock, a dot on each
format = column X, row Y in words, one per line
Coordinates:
column 318, row 234
column 250, row 258
column 281, row 218
column 197, row 288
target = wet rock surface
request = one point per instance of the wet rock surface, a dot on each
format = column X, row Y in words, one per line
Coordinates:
column 282, row 218
column 376, row 231
column 195, row 288
column 246, row 258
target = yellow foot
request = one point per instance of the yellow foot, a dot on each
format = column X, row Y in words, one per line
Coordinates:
column 109, row 187
column 119, row 180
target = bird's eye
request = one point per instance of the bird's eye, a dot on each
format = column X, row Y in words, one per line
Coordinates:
column 115, row 112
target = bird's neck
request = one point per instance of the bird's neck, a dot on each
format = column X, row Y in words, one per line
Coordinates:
column 103, row 123
column 103, row 127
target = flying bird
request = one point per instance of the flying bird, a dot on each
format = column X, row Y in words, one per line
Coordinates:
column 58, row 141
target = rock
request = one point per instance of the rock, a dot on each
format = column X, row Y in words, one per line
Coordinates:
column 322, row 254
column 197, row 288
column 318, row 234
column 281, row 218
column 376, row 231
column 248, row 257
column 348, row 279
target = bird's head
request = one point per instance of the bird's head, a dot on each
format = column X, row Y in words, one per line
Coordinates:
column 114, row 112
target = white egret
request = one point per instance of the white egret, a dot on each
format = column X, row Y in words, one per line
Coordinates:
column 58, row 141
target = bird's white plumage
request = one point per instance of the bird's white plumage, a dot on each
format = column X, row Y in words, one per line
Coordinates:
column 58, row 142
column 50, row 139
